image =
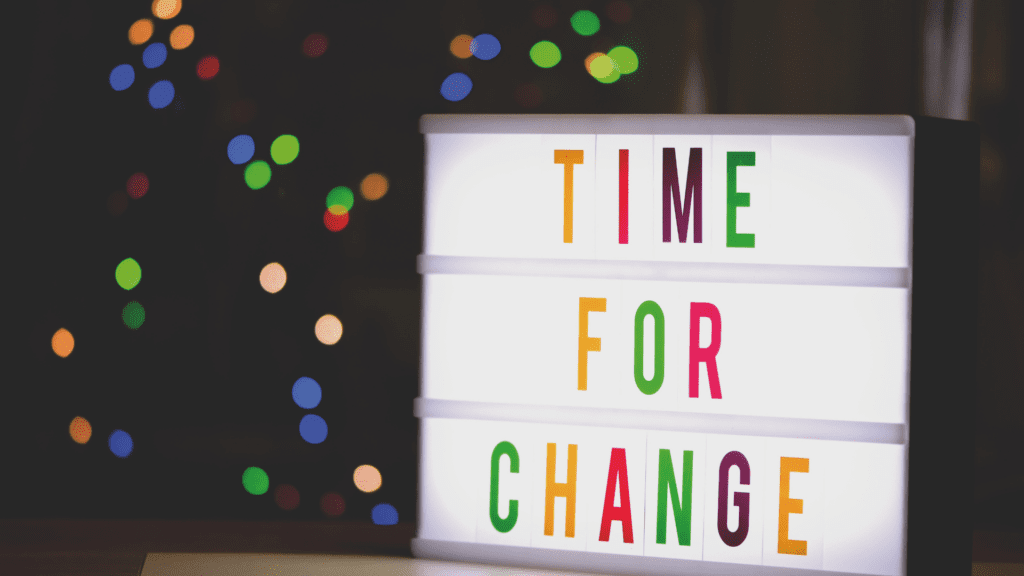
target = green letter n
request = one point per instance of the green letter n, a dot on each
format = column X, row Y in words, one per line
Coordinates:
column 681, row 511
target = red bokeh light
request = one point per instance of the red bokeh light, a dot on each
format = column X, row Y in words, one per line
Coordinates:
column 619, row 11
column 207, row 67
column 314, row 45
column 287, row 497
column 138, row 185
column 332, row 504
column 544, row 16
column 335, row 222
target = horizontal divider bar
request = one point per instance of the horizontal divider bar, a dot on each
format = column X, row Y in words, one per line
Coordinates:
column 593, row 562
column 837, row 430
column 673, row 271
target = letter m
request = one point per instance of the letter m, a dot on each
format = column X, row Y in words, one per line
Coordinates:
column 670, row 196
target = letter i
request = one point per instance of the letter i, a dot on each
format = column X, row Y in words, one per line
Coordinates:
column 623, row 196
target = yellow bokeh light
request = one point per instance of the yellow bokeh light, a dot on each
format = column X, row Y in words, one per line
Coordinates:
column 62, row 343
column 338, row 210
column 141, row 31
column 80, row 430
column 273, row 277
column 367, row 478
column 590, row 59
column 182, row 36
column 166, row 9
column 328, row 329
column 374, row 186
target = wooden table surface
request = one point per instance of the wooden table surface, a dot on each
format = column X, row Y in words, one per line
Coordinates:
column 119, row 548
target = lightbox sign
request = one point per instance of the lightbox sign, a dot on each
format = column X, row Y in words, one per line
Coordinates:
column 667, row 344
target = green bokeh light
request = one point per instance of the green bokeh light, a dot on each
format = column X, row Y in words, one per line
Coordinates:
column 585, row 23
column 255, row 481
column 128, row 273
column 610, row 78
column 545, row 54
column 626, row 61
column 601, row 67
column 133, row 315
column 341, row 196
column 257, row 174
column 285, row 149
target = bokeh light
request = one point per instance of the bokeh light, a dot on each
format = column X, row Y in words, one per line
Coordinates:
column 182, row 36
column 335, row 222
column 117, row 203
column 619, row 11
column 625, row 59
column 120, row 443
column 602, row 67
column 133, row 315
column 313, row 429
column 241, row 148
column 160, row 94
column 62, row 343
column 141, row 31
column 544, row 16
column 80, row 430
column 273, row 277
column 306, row 393
column 257, row 174
column 332, row 504
column 340, row 200
column 255, row 481
column 138, row 185
column 284, row 149
column 384, row 514
column 528, row 95
column 585, row 23
column 122, row 77
column 485, row 46
column 460, row 46
column 207, row 67
column 286, row 497
column 314, row 45
column 367, row 478
column 456, row 87
column 374, row 186
column 166, row 9
column 328, row 329
column 545, row 54
column 128, row 273
column 154, row 55
column 590, row 59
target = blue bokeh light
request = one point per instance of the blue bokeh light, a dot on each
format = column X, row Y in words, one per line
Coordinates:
column 120, row 443
column 456, row 87
column 161, row 94
column 485, row 46
column 313, row 429
column 241, row 148
column 154, row 55
column 384, row 514
column 121, row 77
column 306, row 392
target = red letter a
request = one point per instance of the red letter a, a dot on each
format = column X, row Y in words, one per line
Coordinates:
column 617, row 471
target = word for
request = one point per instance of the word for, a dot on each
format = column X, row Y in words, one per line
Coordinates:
column 670, row 193
column 651, row 308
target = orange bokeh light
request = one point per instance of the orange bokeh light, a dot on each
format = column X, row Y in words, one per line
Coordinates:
column 590, row 59
column 166, row 9
column 367, row 478
column 80, row 430
column 141, row 31
column 328, row 329
column 62, row 343
column 374, row 186
column 460, row 46
column 273, row 277
column 182, row 36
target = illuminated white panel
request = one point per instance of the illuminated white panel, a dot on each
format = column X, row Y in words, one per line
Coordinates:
column 851, row 496
column 828, row 200
column 501, row 195
column 827, row 353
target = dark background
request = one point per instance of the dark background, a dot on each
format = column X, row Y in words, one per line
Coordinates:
column 204, row 386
